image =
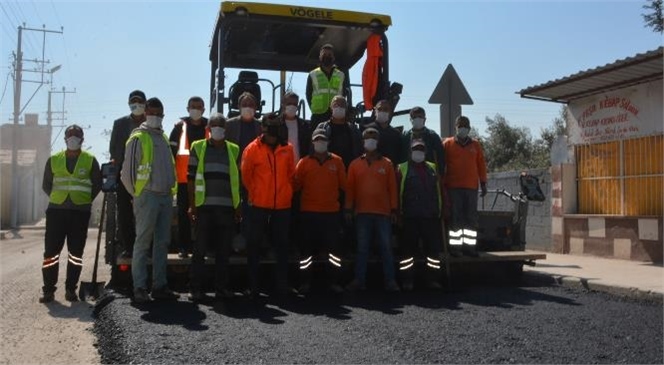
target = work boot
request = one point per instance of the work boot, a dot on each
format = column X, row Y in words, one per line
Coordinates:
column 305, row 288
column 355, row 286
column 407, row 285
column 141, row 296
column 223, row 294
column 392, row 287
column 164, row 293
column 70, row 295
column 336, row 289
column 47, row 296
column 196, row 296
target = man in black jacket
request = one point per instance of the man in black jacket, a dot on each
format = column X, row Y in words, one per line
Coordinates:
column 434, row 144
column 390, row 142
column 186, row 131
column 122, row 128
column 298, row 129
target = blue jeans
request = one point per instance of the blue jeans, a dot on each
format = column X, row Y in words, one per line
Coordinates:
column 368, row 226
column 153, row 223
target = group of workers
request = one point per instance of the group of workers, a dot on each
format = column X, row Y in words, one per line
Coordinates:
column 299, row 181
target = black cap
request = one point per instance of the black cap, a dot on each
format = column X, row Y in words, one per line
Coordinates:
column 137, row 94
column 74, row 127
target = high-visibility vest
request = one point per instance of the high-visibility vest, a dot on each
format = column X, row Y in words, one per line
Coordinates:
column 145, row 166
column 325, row 89
column 403, row 169
column 233, row 151
column 77, row 185
column 182, row 155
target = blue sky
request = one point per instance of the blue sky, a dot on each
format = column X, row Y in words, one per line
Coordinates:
column 497, row 47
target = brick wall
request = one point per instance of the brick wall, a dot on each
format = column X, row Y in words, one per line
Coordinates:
column 538, row 229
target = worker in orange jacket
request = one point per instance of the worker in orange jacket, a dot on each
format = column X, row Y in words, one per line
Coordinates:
column 319, row 178
column 267, row 169
column 466, row 170
column 185, row 132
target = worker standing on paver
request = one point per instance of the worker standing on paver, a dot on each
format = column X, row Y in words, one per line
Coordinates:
column 371, row 198
column 267, row 169
column 466, row 171
column 319, row 179
column 72, row 179
column 420, row 202
column 214, row 203
column 186, row 131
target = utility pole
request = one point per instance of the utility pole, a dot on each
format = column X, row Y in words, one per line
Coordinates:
column 49, row 112
column 18, row 81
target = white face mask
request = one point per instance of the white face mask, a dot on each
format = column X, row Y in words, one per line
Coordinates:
column 417, row 156
column 382, row 117
column 463, row 132
column 247, row 112
column 338, row 113
column 137, row 109
column 73, row 143
column 195, row 114
column 153, row 121
column 418, row 123
column 320, row 146
column 370, row 144
column 290, row 111
column 217, row 133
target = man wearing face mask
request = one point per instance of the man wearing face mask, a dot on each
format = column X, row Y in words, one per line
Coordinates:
column 148, row 173
column 345, row 138
column 299, row 131
column 267, row 169
column 319, row 178
column 466, row 169
column 214, row 203
column 390, row 138
column 122, row 128
column 323, row 84
column 72, row 180
column 371, row 196
column 242, row 130
column 186, row 132
column 433, row 142
column 420, row 202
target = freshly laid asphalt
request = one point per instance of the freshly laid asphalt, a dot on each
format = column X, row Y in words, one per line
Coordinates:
column 539, row 322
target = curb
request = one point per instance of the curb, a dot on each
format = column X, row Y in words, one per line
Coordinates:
column 584, row 284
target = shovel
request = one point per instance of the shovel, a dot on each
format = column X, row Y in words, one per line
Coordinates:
column 95, row 289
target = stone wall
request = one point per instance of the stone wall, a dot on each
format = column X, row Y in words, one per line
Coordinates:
column 538, row 230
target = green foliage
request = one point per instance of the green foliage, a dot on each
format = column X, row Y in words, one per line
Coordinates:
column 509, row 148
column 654, row 18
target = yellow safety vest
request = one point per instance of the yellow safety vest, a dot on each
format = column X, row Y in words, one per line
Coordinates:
column 325, row 89
column 145, row 166
column 77, row 185
column 200, row 147
column 403, row 169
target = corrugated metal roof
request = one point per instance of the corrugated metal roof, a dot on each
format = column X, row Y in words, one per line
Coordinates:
column 643, row 67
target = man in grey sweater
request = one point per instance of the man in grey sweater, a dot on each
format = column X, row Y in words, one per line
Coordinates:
column 148, row 174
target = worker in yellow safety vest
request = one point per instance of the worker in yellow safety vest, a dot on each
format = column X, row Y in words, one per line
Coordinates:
column 324, row 83
column 72, row 179
column 148, row 173
column 214, row 204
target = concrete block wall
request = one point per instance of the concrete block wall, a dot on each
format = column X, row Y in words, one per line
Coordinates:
column 538, row 228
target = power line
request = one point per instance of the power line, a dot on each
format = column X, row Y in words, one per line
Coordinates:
column 37, row 12
column 5, row 89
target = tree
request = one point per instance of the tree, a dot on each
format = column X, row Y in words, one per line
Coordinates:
column 542, row 146
column 654, row 18
column 507, row 147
